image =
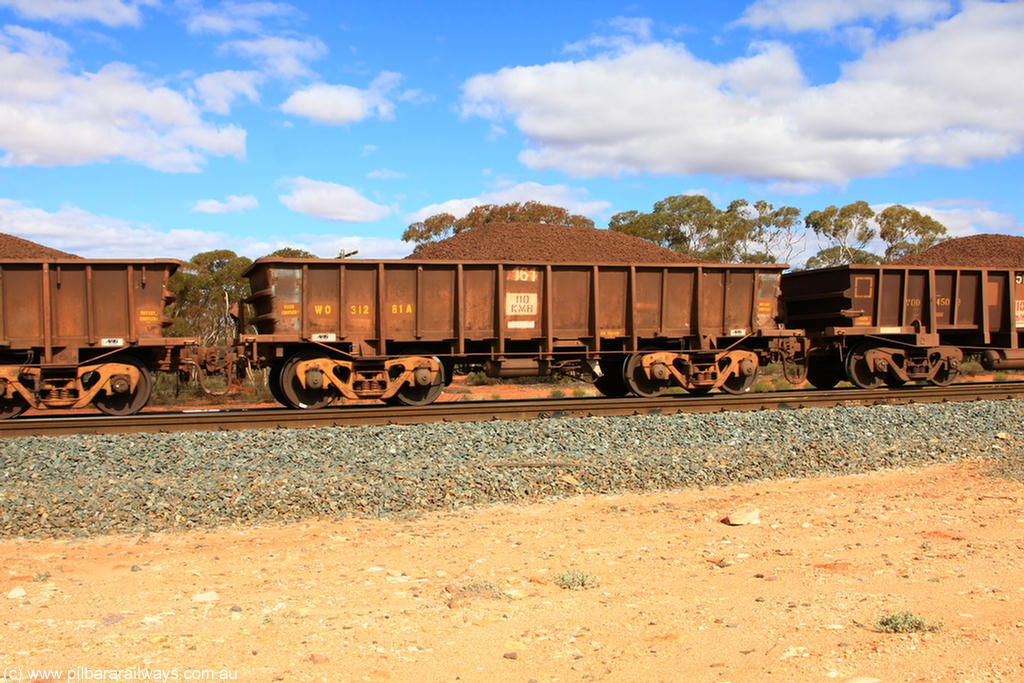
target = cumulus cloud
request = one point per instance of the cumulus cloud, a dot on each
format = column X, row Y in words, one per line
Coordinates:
column 90, row 235
column 51, row 116
column 824, row 15
column 969, row 217
column 280, row 57
column 233, row 204
column 341, row 104
column 917, row 99
column 574, row 199
column 330, row 246
column 235, row 17
column 219, row 90
column 107, row 12
column 331, row 202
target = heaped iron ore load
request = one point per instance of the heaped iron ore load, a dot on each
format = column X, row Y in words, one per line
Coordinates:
column 973, row 251
column 78, row 331
column 897, row 323
column 397, row 330
column 544, row 243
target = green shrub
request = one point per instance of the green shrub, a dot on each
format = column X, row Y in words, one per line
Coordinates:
column 905, row 622
column 575, row 580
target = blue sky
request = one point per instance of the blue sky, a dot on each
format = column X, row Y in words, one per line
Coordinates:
column 150, row 128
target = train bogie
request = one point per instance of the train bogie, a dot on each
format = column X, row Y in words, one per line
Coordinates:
column 395, row 330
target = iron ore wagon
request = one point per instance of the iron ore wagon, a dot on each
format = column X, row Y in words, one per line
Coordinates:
column 895, row 323
column 398, row 330
column 75, row 332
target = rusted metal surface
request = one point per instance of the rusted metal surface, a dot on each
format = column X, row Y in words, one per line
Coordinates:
column 511, row 319
column 973, row 305
column 369, row 306
column 64, row 325
column 274, row 418
column 895, row 324
column 59, row 308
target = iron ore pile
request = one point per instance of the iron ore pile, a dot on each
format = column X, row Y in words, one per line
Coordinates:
column 83, row 485
column 974, row 251
column 544, row 243
column 12, row 247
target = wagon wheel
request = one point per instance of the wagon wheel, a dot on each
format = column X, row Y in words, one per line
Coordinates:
column 274, row 384
column 639, row 383
column 127, row 402
column 612, row 384
column 945, row 376
column 824, row 374
column 738, row 384
column 292, row 391
column 12, row 406
column 858, row 371
column 415, row 395
column 894, row 382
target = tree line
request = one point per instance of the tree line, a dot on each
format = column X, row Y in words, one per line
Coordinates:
column 740, row 233
column 211, row 282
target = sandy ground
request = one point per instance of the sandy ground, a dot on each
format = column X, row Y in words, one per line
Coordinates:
column 475, row 595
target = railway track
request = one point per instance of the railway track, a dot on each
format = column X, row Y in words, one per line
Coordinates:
column 280, row 418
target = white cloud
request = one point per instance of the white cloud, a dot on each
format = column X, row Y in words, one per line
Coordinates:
column 824, row 15
column 280, row 57
column 341, row 104
column 232, row 17
column 947, row 95
column 331, row 246
column 385, row 174
column 331, row 202
column 969, row 217
column 89, row 235
column 233, row 204
column 574, row 199
column 219, row 90
column 50, row 116
column 107, row 12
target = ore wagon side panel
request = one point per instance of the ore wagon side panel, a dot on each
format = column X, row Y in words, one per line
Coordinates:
column 572, row 294
column 612, row 297
column 79, row 304
column 23, row 305
column 478, row 295
column 964, row 305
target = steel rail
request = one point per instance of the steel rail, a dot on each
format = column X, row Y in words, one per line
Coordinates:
column 475, row 411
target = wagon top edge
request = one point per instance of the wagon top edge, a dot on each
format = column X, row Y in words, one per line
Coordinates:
column 94, row 261
column 530, row 263
column 898, row 267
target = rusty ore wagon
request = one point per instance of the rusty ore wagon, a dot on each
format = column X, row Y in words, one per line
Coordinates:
column 78, row 331
column 893, row 324
column 398, row 330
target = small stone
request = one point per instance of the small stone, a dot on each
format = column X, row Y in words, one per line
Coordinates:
column 1004, row 436
column 17, row 594
column 236, row 608
column 111, row 619
column 209, row 596
column 742, row 515
column 511, row 655
column 318, row 659
column 136, row 568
